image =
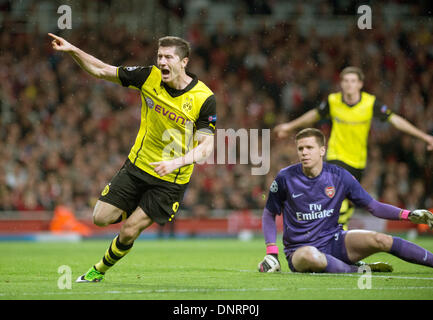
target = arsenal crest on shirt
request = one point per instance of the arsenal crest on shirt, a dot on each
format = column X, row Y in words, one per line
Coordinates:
column 330, row 191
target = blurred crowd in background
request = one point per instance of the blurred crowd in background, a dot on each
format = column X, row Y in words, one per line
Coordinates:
column 64, row 134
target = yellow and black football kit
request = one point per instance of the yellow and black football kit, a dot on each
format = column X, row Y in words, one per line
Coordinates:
column 347, row 145
column 169, row 120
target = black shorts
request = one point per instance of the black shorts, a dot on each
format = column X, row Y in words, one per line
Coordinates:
column 131, row 187
column 357, row 173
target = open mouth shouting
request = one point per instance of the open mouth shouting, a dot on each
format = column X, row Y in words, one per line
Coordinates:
column 165, row 73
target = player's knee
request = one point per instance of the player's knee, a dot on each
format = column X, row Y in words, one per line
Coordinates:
column 103, row 215
column 381, row 242
column 99, row 219
column 309, row 259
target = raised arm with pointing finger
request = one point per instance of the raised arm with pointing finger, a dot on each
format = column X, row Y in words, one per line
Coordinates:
column 92, row 65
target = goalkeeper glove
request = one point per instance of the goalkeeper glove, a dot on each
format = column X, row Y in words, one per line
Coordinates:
column 421, row 216
column 270, row 262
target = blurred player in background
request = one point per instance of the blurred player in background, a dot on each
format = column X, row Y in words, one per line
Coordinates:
column 351, row 111
column 309, row 194
column 178, row 118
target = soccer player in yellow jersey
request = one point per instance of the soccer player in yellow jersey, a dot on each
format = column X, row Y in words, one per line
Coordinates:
column 351, row 111
column 178, row 117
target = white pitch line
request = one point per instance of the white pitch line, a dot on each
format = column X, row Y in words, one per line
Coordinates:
column 372, row 288
column 202, row 290
column 342, row 275
column 358, row 275
column 71, row 292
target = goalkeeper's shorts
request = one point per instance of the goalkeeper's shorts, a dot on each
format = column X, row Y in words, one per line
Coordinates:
column 334, row 247
column 131, row 187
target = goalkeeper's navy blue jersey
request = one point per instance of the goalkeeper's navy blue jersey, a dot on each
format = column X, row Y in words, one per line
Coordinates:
column 311, row 206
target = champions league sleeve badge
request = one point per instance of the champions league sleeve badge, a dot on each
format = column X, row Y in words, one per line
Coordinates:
column 274, row 186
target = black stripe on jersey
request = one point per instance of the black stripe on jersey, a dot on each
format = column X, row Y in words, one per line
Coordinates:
column 177, row 174
column 138, row 151
column 186, row 151
column 144, row 136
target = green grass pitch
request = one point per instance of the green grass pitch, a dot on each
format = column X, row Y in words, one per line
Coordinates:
column 201, row 269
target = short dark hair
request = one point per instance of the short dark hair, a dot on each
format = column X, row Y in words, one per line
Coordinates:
column 311, row 132
column 182, row 46
column 354, row 70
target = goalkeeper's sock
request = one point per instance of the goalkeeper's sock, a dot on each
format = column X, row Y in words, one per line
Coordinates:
column 114, row 253
column 337, row 266
column 411, row 252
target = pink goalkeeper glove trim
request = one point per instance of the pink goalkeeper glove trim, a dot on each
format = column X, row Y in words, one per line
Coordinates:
column 271, row 250
column 405, row 215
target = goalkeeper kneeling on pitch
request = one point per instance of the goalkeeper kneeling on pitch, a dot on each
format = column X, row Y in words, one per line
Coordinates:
column 309, row 194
